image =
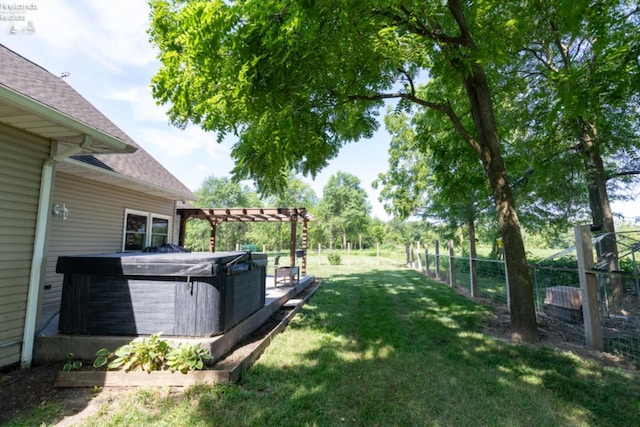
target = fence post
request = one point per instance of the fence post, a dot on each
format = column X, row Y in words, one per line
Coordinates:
column 419, row 260
column 589, row 286
column 506, row 282
column 473, row 267
column 348, row 253
column 426, row 259
column 437, row 260
column 413, row 257
column 452, row 270
column 406, row 254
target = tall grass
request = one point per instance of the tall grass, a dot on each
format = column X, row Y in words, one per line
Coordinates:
column 385, row 346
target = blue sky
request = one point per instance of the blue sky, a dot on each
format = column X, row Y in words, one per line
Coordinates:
column 104, row 47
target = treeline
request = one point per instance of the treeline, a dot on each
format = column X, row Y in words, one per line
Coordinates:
column 342, row 216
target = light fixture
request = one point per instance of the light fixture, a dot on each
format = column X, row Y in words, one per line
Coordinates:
column 61, row 211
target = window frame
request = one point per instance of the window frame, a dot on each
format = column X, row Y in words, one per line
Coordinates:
column 148, row 233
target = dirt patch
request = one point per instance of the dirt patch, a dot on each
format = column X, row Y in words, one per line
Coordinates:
column 557, row 334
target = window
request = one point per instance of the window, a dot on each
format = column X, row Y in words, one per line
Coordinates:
column 144, row 229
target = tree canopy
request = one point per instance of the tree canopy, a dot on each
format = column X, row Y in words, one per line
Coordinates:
column 294, row 81
column 344, row 210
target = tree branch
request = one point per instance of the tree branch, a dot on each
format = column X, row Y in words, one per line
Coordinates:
column 542, row 59
column 416, row 26
column 456, row 9
column 620, row 174
column 409, row 78
column 443, row 108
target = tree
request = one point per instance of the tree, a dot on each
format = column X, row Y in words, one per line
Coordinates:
column 296, row 194
column 295, row 81
column 432, row 174
column 582, row 70
column 220, row 193
column 343, row 210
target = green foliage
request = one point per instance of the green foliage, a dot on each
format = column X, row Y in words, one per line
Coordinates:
column 102, row 357
column 153, row 354
column 577, row 127
column 72, row 364
column 187, row 357
column 295, row 81
column 220, row 193
column 334, row 258
column 343, row 210
column 147, row 354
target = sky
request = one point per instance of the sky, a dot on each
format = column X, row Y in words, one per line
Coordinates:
column 103, row 47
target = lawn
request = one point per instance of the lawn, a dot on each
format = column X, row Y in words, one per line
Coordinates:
column 385, row 346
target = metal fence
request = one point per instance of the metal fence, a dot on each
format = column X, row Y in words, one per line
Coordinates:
column 556, row 287
column 557, row 295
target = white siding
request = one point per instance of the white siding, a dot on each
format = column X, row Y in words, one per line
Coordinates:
column 21, row 159
column 95, row 224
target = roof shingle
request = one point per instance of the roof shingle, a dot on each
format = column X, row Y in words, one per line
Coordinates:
column 31, row 80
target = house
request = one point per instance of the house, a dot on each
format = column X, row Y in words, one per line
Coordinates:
column 71, row 182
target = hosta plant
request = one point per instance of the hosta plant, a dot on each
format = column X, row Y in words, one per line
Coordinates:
column 72, row 364
column 187, row 357
column 153, row 354
column 147, row 354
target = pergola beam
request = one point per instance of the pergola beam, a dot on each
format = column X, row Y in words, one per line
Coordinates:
column 217, row 215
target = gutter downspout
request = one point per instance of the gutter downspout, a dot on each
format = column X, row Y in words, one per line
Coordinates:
column 38, row 259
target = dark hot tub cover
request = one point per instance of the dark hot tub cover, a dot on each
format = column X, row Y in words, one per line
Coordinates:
column 197, row 264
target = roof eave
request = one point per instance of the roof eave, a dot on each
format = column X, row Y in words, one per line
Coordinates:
column 124, row 180
column 100, row 138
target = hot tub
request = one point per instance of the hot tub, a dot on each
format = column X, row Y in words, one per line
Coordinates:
column 178, row 294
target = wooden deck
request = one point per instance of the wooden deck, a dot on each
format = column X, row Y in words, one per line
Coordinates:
column 53, row 346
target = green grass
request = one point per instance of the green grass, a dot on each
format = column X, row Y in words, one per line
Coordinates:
column 385, row 346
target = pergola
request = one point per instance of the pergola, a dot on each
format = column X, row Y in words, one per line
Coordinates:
column 216, row 216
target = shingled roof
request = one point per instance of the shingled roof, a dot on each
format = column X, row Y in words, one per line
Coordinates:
column 19, row 75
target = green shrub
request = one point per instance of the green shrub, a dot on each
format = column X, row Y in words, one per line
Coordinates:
column 187, row 357
column 334, row 258
column 72, row 364
column 147, row 354
column 153, row 354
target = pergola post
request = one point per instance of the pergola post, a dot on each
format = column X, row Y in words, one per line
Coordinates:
column 212, row 238
column 183, row 227
column 304, row 246
column 292, row 241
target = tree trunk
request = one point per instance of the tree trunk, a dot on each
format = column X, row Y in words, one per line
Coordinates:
column 522, row 310
column 601, row 214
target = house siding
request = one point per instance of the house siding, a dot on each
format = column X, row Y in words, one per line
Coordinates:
column 20, row 170
column 94, row 225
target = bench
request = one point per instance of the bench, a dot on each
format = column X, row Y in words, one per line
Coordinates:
column 282, row 274
column 286, row 274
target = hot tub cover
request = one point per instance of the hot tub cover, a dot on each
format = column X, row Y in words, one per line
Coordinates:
column 196, row 264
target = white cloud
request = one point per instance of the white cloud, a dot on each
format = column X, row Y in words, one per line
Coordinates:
column 179, row 143
column 112, row 34
column 143, row 106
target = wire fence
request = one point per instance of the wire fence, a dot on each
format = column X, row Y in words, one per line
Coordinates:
column 557, row 297
column 557, row 291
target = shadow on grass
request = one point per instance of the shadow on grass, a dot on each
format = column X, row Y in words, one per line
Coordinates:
column 392, row 347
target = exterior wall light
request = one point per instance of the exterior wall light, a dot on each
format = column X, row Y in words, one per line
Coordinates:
column 61, row 211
